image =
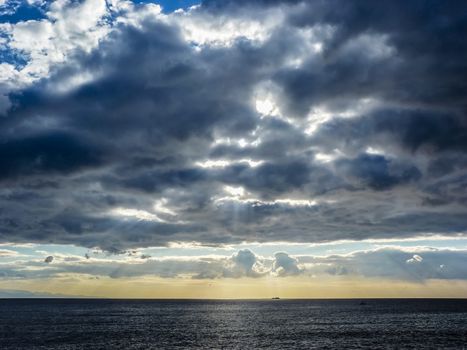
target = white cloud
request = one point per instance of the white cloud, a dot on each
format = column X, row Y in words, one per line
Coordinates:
column 138, row 214
column 68, row 27
column 244, row 263
column 202, row 28
column 387, row 263
column 285, row 265
column 415, row 259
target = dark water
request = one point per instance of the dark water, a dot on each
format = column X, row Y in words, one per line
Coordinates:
column 274, row 324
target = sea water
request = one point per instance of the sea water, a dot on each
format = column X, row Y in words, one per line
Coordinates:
column 262, row 324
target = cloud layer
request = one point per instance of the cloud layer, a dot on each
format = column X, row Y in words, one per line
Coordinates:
column 259, row 121
column 414, row 264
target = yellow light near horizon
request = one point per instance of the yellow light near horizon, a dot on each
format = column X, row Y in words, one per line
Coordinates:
column 244, row 288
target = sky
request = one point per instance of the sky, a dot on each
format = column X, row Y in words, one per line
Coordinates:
column 233, row 149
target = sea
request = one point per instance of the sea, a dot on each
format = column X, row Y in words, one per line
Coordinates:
column 31, row 324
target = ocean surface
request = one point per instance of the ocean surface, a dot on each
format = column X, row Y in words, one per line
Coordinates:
column 268, row 324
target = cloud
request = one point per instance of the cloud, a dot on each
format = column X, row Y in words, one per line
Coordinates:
column 46, row 154
column 8, row 253
column 377, row 172
column 245, row 263
column 415, row 259
column 284, row 265
column 415, row 264
column 393, row 263
column 126, row 127
column 244, row 259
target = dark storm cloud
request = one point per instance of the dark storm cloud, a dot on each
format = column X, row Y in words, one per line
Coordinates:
column 411, row 53
column 278, row 140
column 123, row 159
column 377, row 172
column 46, row 153
column 410, row 130
column 150, row 75
column 270, row 178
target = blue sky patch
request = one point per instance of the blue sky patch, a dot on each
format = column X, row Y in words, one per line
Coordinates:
column 18, row 11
